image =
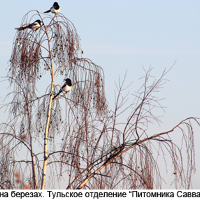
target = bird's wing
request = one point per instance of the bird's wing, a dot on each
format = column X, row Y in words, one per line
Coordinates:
column 47, row 11
column 34, row 23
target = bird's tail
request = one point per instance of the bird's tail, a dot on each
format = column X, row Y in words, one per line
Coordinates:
column 56, row 95
column 21, row 28
column 47, row 11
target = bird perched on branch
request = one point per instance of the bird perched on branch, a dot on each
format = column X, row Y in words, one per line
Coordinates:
column 34, row 26
column 54, row 9
column 65, row 88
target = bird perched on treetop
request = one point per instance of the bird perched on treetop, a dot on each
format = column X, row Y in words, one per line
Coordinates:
column 54, row 9
column 65, row 88
column 34, row 26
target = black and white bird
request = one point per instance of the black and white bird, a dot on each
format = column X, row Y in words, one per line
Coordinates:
column 54, row 9
column 34, row 26
column 65, row 88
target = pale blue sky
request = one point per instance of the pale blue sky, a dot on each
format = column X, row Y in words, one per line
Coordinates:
column 122, row 35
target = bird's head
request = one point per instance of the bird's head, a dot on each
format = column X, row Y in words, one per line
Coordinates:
column 68, row 81
column 38, row 21
column 55, row 5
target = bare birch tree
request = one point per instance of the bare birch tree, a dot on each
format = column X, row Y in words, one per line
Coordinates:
column 75, row 140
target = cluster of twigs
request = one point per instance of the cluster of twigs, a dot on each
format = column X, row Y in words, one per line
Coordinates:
column 53, row 48
column 124, row 155
column 81, row 142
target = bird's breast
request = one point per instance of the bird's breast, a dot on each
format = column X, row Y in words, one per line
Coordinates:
column 67, row 88
column 56, row 11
